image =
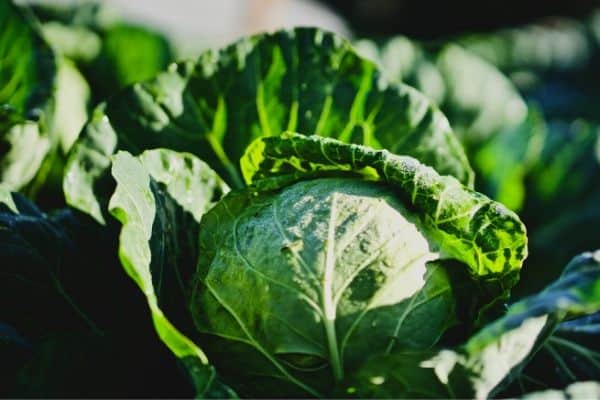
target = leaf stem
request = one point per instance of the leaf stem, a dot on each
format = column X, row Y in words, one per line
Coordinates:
column 329, row 307
column 230, row 168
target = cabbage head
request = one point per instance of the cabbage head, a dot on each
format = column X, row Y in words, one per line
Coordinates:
column 298, row 284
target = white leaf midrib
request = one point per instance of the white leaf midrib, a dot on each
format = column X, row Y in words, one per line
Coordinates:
column 329, row 306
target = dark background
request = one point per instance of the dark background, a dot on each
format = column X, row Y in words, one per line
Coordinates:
column 426, row 19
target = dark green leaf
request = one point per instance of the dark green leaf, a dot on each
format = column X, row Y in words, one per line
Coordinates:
column 27, row 80
column 28, row 66
column 61, row 333
column 498, row 353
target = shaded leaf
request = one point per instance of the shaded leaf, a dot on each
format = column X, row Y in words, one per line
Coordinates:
column 27, row 82
column 516, row 337
column 62, row 335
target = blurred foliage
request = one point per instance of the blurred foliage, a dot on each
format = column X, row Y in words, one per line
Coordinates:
column 524, row 102
column 110, row 53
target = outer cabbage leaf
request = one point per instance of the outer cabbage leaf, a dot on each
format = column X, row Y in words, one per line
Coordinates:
column 574, row 351
column 501, row 352
column 470, row 227
column 528, row 324
column 61, row 335
column 159, row 199
column 305, row 80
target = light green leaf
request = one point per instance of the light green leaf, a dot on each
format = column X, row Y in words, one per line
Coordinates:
column 189, row 181
column 6, row 198
column 90, row 158
column 470, row 227
column 71, row 100
column 575, row 391
column 336, row 270
column 305, row 80
column 140, row 209
column 28, row 148
column 77, row 43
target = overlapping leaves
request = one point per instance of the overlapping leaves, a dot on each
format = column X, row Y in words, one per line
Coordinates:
column 500, row 354
column 485, row 235
column 305, row 80
column 159, row 199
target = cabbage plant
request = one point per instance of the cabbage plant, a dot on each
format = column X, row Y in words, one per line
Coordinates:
column 293, row 225
column 340, row 268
